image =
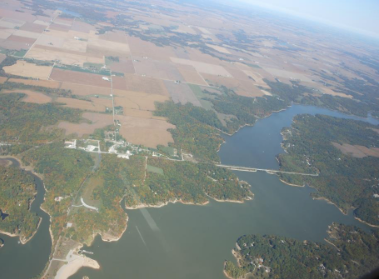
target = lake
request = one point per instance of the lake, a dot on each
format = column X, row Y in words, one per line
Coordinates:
column 187, row 241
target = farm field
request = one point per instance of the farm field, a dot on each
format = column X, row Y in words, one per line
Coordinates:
column 79, row 78
column 357, row 151
column 148, row 132
column 85, row 90
column 146, row 85
column 97, row 121
column 42, row 83
column 83, row 105
column 181, row 93
column 137, row 100
column 25, row 69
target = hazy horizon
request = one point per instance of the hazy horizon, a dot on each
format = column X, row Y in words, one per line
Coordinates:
column 356, row 16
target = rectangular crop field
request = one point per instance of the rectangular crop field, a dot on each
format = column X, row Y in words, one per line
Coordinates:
column 79, row 78
column 182, row 93
column 26, row 69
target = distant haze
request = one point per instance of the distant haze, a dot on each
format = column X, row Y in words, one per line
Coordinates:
column 356, row 15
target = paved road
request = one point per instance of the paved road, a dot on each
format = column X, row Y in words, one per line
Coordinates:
column 246, row 169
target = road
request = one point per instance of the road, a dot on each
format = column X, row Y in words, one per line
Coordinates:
column 246, row 169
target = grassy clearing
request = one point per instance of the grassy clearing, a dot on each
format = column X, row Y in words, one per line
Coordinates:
column 201, row 97
column 155, row 170
column 93, row 66
column 90, row 185
column 20, row 53
column 168, row 150
column 102, row 72
column 109, row 60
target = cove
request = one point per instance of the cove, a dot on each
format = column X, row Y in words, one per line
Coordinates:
column 28, row 260
column 187, row 241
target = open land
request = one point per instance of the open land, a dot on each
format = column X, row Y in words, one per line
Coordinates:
column 357, row 151
column 31, row 96
column 98, row 121
column 42, row 83
column 25, row 69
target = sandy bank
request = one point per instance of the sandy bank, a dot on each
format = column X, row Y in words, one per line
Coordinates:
column 293, row 185
column 8, row 234
column 238, row 257
column 144, row 205
column 232, row 201
column 331, row 243
column 74, row 262
column 328, row 201
column 227, row 275
column 24, row 240
column 368, row 224
column 22, row 166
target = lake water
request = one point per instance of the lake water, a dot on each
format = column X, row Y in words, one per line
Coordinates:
column 28, row 260
column 187, row 241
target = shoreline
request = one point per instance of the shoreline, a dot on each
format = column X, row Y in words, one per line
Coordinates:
column 74, row 262
column 9, row 234
column 237, row 257
column 247, row 125
column 234, row 201
column 22, row 238
column 366, row 223
column 331, row 243
column 24, row 241
column 50, row 220
column 328, row 201
column 226, row 274
column 110, row 237
column 29, row 168
column 290, row 184
column 144, row 205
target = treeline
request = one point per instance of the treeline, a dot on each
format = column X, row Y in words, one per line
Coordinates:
column 246, row 110
column 17, row 191
column 347, row 181
column 195, row 130
column 9, row 85
column 29, row 123
column 355, row 254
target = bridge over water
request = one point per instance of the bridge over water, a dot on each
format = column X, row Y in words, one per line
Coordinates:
column 246, row 169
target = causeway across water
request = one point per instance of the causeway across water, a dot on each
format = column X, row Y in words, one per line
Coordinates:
column 246, row 169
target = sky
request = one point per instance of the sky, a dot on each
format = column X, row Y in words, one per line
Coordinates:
column 356, row 15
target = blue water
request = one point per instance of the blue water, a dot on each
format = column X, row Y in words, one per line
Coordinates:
column 187, row 241
column 258, row 146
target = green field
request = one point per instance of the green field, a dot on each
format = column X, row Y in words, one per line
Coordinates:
column 155, row 169
column 201, row 96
